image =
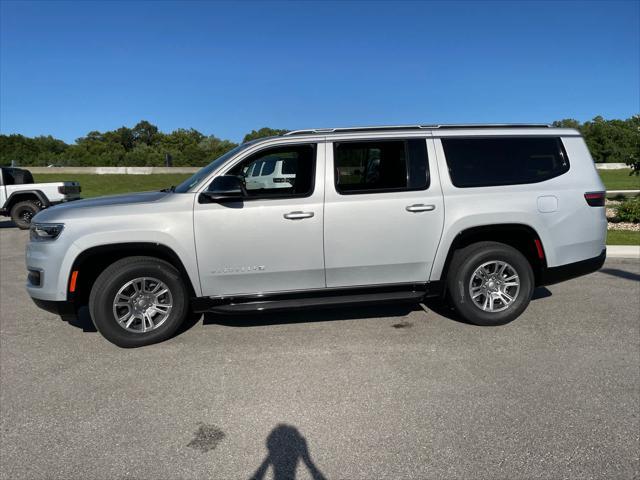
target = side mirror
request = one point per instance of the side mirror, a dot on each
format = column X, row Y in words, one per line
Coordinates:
column 224, row 188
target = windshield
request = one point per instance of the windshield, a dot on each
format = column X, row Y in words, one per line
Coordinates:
column 204, row 172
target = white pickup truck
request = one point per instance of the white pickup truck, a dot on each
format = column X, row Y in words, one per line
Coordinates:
column 21, row 198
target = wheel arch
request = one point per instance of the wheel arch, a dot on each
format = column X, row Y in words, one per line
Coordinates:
column 91, row 262
column 522, row 237
column 25, row 195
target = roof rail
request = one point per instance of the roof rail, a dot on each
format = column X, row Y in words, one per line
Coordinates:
column 389, row 128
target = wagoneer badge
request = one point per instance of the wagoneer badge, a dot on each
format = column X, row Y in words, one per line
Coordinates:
column 254, row 268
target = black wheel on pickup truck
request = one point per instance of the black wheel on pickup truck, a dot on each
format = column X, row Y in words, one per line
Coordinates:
column 23, row 212
column 490, row 283
column 138, row 301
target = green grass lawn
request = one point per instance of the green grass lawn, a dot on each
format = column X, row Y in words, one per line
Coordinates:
column 619, row 179
column 623, row 237
column 97, row 185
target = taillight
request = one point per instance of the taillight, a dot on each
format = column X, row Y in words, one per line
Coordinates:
column 595, row 199
column 69, row 189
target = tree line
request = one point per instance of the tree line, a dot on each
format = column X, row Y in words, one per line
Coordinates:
column 612, row 141
column 142, row 145
column 146, row 145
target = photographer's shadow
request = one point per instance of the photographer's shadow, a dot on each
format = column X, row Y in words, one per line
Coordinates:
column 286, row 447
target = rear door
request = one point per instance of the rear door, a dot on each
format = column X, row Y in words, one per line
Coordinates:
column 384, row 211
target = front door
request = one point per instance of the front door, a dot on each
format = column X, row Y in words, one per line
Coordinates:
column 384, row 211
column 272, row 241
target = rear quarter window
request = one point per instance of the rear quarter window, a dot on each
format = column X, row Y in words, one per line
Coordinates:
column 485, row 162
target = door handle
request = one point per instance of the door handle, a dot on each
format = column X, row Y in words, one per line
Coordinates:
column 420, row 207
column 298, row 215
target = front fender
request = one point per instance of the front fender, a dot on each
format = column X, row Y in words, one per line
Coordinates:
column 181, row 246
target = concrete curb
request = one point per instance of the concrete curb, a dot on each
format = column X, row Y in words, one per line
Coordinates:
column 622, row 193
column 623, row 251
column 611, row 166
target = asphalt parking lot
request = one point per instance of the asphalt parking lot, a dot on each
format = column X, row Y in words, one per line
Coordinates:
column 369, row 393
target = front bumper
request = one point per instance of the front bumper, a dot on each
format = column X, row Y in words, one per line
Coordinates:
column 572, row 270
column 53, row 260
column 64, row 309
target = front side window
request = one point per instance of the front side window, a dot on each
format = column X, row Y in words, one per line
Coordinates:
column 279, row 171
column 380, row 166
column 484, row 162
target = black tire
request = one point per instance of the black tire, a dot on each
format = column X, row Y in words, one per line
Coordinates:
column 464, row 263
column 114, row 277
column 23, row 212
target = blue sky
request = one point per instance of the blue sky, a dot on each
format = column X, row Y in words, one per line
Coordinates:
column 225, row 68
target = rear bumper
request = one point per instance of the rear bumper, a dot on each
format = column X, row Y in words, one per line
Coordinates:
column 572, row 270
column 66, row 200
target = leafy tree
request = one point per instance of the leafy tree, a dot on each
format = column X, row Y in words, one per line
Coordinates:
column 215, row 147
column 615, row 141
column 567, row 123
column 263, row 132
column 123, row 136
column 145, row 133
column 143, row 155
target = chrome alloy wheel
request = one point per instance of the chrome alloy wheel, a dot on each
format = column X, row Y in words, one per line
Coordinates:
column 494, row 286
column 142, row 304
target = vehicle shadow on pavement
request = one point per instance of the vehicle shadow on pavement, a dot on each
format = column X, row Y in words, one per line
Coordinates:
column 331, row 314
column 7, row 224
column 82, row 320
column 328, row 314
column 541, row 292
column 286, row 448
column 621, row 274
column 443, row 309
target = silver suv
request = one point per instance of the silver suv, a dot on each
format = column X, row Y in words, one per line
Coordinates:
column 479, row 215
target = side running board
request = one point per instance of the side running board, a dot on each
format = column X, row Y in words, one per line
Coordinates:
column 255, row 305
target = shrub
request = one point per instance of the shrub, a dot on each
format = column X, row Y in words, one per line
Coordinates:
column 629, row 210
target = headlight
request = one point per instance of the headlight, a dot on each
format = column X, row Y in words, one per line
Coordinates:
column 41, row 232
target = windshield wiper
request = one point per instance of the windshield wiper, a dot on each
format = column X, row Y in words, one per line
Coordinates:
column 172, row 188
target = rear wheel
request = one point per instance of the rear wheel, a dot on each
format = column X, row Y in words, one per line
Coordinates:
column 138, row 301
column 23, row 212
column 490, row 283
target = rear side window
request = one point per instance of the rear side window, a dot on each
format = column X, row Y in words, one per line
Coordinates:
column 380, row 166
column 484, row 162
column 7, row 178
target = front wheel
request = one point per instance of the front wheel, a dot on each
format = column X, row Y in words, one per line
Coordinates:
column 138, row 301
column 490, row 283
column 23, row 212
